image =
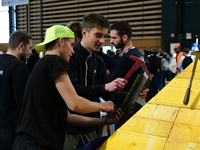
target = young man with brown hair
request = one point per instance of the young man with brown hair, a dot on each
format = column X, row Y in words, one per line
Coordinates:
column 89, row 77
column 120, row 37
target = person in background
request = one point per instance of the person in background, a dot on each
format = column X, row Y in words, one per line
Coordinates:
column 14, row 74
column 153, row 65
column 33, row 58
column 172, row 67
column 118, row 54
column 110, row 53
column 120, row 37
column 164, row 67
column 109, row 61
column 178, row 55
column 49, row 94
column 76, row 27
column 185, row 60
column 89, row 77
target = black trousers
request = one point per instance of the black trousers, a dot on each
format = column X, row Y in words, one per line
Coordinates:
column 22, row 143
column 7, row 138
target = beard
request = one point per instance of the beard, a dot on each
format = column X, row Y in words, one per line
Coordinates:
column 120, row 45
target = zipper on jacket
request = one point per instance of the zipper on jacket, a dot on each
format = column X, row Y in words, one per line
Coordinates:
column 86, row 68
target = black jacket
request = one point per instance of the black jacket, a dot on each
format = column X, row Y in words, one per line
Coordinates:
column 88, row 76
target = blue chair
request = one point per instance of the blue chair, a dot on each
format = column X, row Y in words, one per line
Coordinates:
column 94, row 144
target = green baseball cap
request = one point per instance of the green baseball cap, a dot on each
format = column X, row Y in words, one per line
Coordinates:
column 53, row 33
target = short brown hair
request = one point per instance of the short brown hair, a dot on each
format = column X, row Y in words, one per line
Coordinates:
column 122, row 28
column 186, row 50
column 17, row 37
column 76, row 27
column 94, row 20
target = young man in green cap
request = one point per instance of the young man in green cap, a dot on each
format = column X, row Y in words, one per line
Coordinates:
column 49, row 93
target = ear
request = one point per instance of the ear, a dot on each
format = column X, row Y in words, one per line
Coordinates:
column 21, row 46
column 60, row 42
column 84, row 31
column 125, row 37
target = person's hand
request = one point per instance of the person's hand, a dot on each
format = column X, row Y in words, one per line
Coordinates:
column 116, row 85
column 107, row 106
column 143, row 94
column 114, row 117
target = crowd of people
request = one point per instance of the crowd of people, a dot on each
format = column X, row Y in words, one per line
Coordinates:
column 164, row 67
column 53, row 102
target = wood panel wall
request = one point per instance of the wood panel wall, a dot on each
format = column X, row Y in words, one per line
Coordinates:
column 3, row 47
column 144, row 16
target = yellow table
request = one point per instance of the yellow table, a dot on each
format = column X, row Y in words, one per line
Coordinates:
column 164, row 123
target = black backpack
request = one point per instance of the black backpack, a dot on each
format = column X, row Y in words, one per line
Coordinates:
column 153, row 64
column 186, row 61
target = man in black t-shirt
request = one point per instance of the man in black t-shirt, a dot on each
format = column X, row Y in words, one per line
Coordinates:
column 14, row 74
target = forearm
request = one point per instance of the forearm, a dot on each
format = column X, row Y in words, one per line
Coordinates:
column 83, row 105
column 77, row 120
